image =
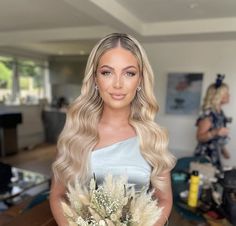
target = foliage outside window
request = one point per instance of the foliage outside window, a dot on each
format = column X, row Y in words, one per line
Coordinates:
column 28, row 75
column 31, row 81
column 6, row 80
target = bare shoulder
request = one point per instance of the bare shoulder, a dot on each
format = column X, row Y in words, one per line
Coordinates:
column 109, row 135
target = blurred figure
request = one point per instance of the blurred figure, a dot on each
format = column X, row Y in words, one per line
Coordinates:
column 212, row 133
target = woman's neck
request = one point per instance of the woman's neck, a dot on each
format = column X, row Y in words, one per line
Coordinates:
column 115, row 117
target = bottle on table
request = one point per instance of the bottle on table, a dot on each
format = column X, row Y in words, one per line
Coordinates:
column 193, row 189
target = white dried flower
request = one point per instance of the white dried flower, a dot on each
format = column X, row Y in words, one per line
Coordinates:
column 67, row 210
column 102, row 223
column 125, row 201
column 114, row 217
column 80, row 221
column 92, row 185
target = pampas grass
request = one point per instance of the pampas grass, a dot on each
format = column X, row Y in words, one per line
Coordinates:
column 114, row 203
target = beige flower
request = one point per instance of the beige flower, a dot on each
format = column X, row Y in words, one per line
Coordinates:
column 114, row 217
column 67, row 210
column 109, row 222
column 94, row 214
column 72, row 223
column 125, row 201
column 92, row 185
column 102, row 223
column 114, row 203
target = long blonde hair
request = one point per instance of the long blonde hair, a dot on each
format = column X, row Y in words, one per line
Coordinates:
column 80, row 133
column 213, row 97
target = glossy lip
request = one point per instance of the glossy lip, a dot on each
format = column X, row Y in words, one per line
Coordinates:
column 117, row 96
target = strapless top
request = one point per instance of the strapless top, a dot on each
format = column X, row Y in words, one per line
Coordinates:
column 122, row 159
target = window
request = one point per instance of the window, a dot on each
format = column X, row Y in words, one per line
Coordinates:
column 31, row 81
column 6, row 78
column 21, row 80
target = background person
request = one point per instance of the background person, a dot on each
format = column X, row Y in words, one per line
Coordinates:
column 212, row 133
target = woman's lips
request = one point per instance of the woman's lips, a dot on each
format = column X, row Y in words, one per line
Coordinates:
column 117, row 96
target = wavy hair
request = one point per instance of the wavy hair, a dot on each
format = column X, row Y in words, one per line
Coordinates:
column 80, row 135
column 213, row 97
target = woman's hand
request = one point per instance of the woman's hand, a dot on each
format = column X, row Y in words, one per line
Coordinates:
column 164, row 198
column 222, row 132
column 57, row 195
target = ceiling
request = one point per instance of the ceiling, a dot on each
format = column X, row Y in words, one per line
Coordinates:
column 72, row 27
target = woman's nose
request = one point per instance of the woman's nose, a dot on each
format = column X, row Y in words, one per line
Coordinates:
column 118, row 81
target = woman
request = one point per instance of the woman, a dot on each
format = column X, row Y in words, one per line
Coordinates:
column 212, row 134
column 110, row 127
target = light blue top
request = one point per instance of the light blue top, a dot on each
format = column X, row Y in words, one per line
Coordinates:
column 122, row 158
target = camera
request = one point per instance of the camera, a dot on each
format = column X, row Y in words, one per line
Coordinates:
column 228, row 120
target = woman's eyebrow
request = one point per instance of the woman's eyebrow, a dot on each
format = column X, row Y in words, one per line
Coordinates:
column 111, row 68
column 106, row 66
column 129, row 67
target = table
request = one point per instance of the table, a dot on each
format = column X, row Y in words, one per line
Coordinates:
column 23, row 182
column 180, row 176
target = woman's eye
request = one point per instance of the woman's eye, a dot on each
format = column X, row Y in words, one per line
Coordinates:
column 106, row 73
column 130, row 73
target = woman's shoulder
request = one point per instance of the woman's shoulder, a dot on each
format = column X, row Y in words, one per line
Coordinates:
column 204, row 114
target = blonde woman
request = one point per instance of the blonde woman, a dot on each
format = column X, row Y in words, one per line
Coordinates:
column 111, row 128
column 212, row 134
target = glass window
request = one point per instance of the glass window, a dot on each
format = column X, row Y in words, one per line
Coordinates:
column 31, row 81
column 6, row 78
column 22, row 81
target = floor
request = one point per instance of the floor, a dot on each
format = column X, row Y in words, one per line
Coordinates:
column 40, row 159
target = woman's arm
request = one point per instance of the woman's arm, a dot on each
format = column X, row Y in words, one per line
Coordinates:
column 203, row 133
column 165, row 199
column 225, row 153
column 57, row 195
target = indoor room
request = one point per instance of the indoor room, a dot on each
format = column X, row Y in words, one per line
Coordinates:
column 44, row 48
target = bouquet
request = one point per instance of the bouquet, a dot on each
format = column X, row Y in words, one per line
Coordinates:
column 113, row 203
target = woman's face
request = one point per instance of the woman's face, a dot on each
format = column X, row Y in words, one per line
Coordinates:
column 225, row 96
column 117, row 78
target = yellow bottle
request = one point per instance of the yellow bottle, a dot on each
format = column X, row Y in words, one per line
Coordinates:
column 193, row 189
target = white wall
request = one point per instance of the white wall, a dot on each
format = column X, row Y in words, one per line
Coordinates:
column 207, row 57
column 69, row 91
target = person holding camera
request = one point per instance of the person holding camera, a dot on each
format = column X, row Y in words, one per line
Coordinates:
column 212, row 132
